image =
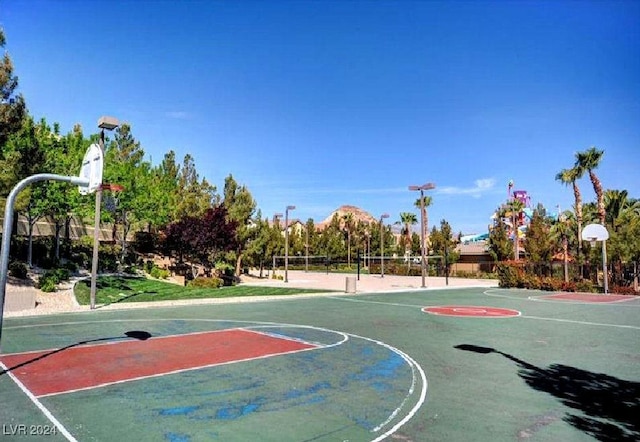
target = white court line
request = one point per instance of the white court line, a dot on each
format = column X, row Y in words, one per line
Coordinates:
column 632, row 327
column 571, row 321
column 536, row 298
column 345, row 337
column 411, row 362
column 117, row 340
column 41, row 407
column 378, row 302
column 181, row 370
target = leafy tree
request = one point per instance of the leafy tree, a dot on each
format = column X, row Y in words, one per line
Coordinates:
column 407, row 220
column 194, row 196
column 538, row 243
column 444, row 244
column 202, row 239
column 258, row 250
column 348, row 222
column 561, row 234
column 164, row 191
column 500, row 247
column 240, row 207
column 571, row 176
column 332, row 240
column 12, row 106
column 125, row 166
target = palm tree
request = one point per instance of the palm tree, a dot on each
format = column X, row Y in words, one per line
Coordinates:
column 589, row 160
column 560, row 231
column 616, row 201
column 515, row 207
column 571, row 176
column 427, row 202
column 407, row 219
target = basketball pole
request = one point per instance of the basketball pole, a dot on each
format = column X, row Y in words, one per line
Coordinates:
column 8, row 223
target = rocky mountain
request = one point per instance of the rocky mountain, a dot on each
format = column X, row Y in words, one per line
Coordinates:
column 357, row 213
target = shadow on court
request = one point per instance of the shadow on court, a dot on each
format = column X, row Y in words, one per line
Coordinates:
column 610, row 406
column 133, row 334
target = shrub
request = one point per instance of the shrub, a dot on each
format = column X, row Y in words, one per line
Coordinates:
column 209, row 283
column 71, row 266
column 62, row 274
column 18, row 270
column 568, row 286
column 130, row 270
column 623, row 290
column 508, row 275
column 48, row 280
column 48, row 285
column 158, row 273
column 585, row 286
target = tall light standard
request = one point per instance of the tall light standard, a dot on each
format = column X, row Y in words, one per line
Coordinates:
column 286, row 242
column 382, row 217
column 427, row 186
column 104, row 123
column 306, row 249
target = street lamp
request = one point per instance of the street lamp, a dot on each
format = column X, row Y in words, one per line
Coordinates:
column 286, row 242
column 382, row 217
column 104, row 123
column 427, row 186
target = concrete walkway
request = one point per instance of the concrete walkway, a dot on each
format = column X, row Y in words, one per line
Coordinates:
column 366, row 283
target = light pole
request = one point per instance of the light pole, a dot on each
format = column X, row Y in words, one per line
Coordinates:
column 306, row 248
column 382, row 217
column 104, row 123
column 286, row 242
column 427, row 186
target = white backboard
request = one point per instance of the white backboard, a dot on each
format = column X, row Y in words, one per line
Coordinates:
column 595, row 232
column 91, row 169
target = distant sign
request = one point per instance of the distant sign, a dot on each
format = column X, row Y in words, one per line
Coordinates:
column 91, row 170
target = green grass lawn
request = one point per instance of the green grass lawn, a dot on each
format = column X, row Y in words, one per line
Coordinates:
column 113, row 289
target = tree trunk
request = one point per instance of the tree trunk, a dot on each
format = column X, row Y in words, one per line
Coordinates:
column 238, row 264
column 58, row 227
column 565, row 249
column 30, row 245
column 597, row 188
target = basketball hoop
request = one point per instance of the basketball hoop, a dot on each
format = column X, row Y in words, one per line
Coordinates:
column 594, row 233
column 112, row 187
column 110, row 201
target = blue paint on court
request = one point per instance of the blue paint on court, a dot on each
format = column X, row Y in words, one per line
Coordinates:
column 236, row 412
column 386, row 368
column 367, row 351
column 179, row 411
column 294, row 394
column 174, row 437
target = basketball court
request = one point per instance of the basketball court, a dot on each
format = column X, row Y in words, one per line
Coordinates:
column 473, row 363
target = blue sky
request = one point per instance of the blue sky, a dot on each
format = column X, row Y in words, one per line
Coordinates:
column 319, row 104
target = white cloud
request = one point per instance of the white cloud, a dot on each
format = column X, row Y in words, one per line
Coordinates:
column 481, row 186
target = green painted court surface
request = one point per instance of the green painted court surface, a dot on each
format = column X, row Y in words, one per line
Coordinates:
column 331, row 368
